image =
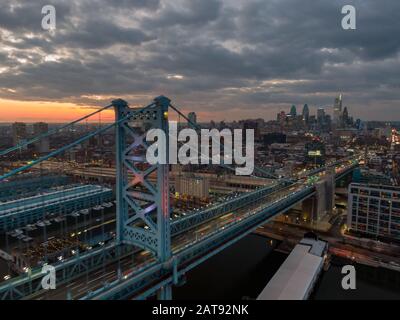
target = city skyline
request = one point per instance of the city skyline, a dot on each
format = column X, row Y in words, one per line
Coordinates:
column 252, row 59
column 65, row 114
column 214, row 150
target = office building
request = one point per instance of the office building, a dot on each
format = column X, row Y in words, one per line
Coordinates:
column 321, row 116
column 197, row 187
column 293, row 111
column 19, row 132
column 337, row 111
column 306, row 113
column 374, row 210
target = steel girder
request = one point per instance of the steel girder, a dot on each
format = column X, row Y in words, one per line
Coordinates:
column 139, row 200
column 24, row 286
column 159, row 275
column 27, row 285
column 198, row 217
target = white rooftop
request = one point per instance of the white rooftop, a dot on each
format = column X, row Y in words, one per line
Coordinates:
column 294, row 279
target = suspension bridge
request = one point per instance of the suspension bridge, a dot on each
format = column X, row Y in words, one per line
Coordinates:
column 142, row 248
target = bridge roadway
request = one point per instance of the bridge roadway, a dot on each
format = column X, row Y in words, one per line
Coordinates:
column 24, row 285
column 141, row 258
column 180, row 244
column 76, row 268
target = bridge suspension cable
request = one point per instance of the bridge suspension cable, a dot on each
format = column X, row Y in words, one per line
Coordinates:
column 72, row 144
column 50, row 132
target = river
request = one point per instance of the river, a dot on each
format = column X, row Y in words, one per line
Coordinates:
column 242, row 271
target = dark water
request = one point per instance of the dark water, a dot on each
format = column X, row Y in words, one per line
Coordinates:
column 241, row 270
column 245, row 268
column 371, row 283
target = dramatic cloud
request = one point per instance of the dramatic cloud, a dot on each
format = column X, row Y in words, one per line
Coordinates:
column 251, row 58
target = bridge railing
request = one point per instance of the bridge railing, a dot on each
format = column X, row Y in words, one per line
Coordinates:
column 194, row 253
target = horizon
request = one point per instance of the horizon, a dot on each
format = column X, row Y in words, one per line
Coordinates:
column 224, row 60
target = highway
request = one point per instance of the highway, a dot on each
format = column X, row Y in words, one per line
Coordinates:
column 128, row 265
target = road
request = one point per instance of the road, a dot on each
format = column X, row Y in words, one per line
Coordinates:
column 129, row 265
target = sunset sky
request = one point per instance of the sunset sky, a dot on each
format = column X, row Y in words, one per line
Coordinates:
column 223, row 59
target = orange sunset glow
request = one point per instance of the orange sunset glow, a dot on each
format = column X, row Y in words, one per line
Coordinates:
column 52, row 112
column 59, row 112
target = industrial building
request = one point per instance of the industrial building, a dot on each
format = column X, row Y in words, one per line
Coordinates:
column 374, row 210
column 17, row 213
column 298, row 274
column 29, row 184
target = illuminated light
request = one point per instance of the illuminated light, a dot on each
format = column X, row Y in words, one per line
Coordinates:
column 166, row 115
column 316, row 153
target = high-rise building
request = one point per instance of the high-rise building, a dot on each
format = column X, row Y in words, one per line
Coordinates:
column 345, row 117
column 43, row 145
column 19, row 132
column 358, row 124
column 293, row 111
column 374, row 210
column 321, row 116
column 337, row 110
column 306, row 113
column 192, row 117
column 281, row 117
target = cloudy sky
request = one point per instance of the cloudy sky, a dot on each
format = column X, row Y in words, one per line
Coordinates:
column 224, row 59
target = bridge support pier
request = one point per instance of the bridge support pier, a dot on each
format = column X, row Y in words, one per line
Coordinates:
column 323, row 201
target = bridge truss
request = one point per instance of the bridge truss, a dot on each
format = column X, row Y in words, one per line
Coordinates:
column 143, row 214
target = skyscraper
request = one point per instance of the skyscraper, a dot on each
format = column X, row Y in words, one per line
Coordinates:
column 337, row 110
column 321, row 116
column 306, row 113
column 345, row 117
column 293, row 111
